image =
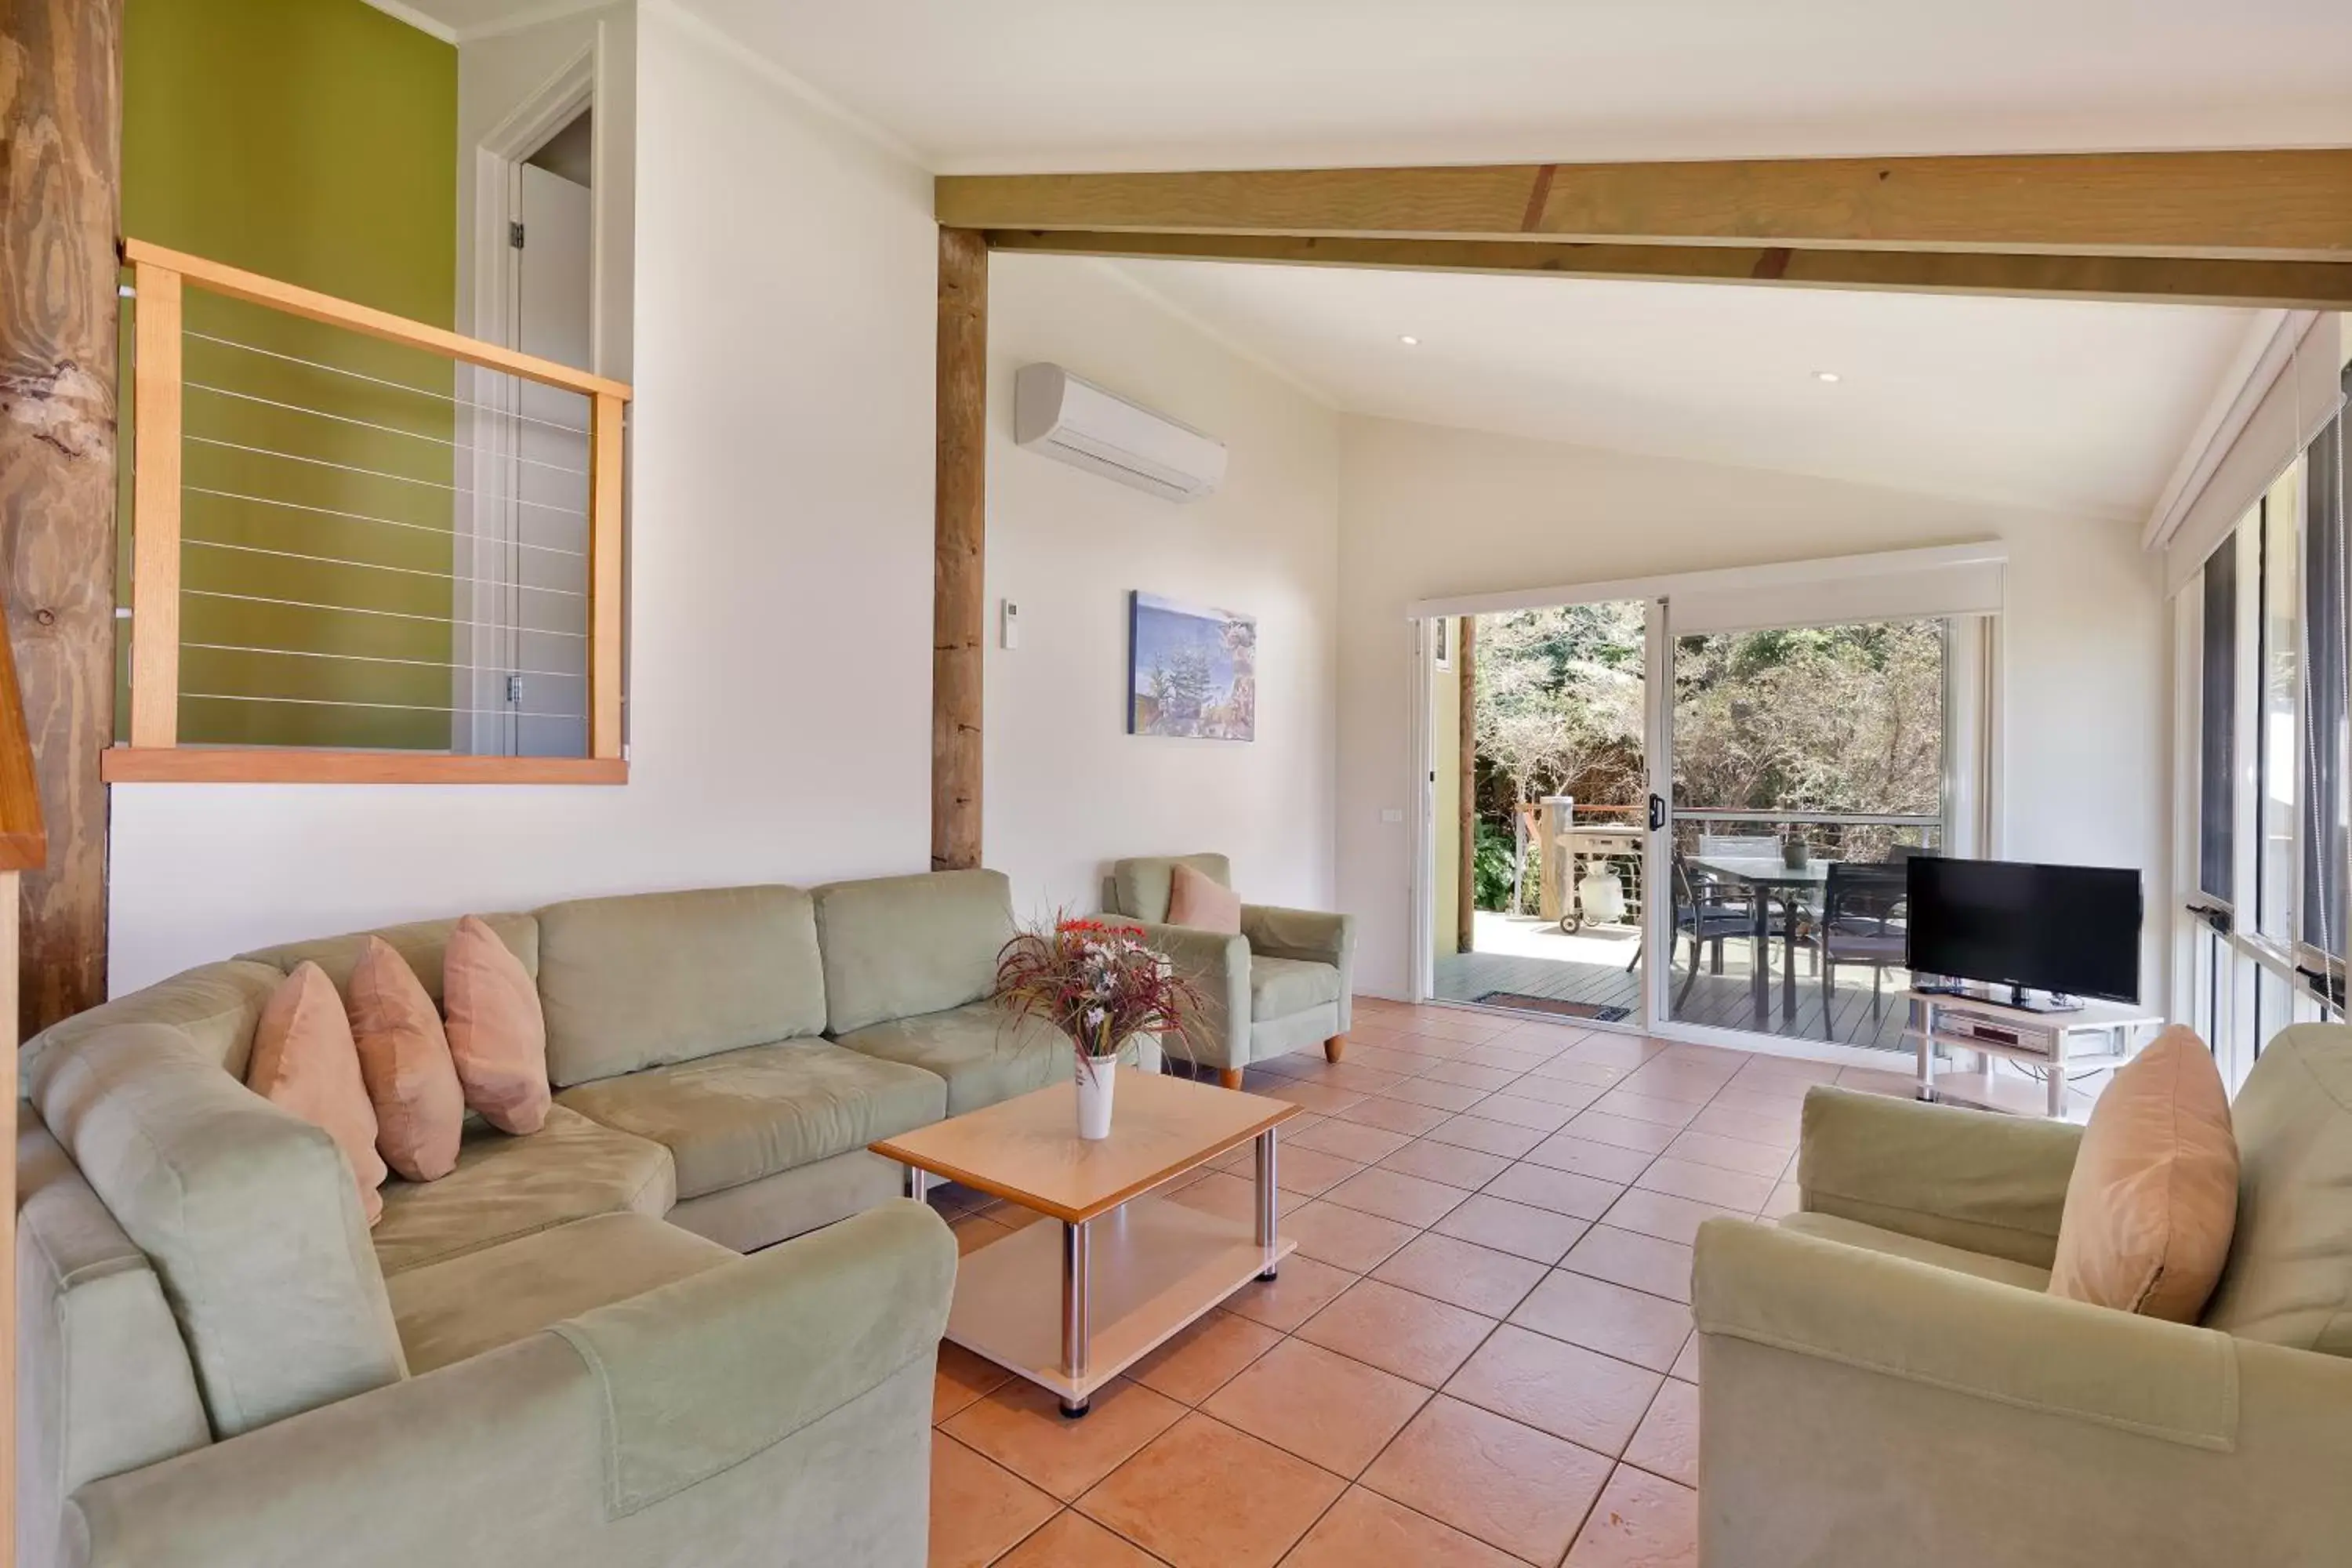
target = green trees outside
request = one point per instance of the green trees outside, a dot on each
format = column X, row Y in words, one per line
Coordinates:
column 1559, row 712
column 1818, row 719
column 1829, row 719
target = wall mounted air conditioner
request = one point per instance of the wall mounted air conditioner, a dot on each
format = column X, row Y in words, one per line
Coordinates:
column 1063, row 417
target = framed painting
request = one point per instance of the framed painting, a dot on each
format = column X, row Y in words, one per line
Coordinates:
column 1191, row 671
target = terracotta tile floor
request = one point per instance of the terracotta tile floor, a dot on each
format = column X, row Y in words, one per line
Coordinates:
column 1479, row 1356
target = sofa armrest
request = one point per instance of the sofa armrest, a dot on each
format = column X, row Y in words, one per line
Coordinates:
column 774, row 1400
column 1904, row 1318
column 1218, row 966
column 1860, row 1409
column 1970, row 1179
column 1314, row 934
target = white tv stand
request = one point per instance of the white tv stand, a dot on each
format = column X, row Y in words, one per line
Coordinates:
column 1993, row 1029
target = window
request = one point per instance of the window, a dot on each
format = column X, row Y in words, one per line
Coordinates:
column 2217, row 845
column 2326, row 576
column 2262, row 939
column 2277, row 746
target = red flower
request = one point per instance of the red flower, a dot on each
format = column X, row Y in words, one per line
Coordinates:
column 1097, row 983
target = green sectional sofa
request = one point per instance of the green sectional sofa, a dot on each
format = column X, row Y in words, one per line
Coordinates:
column 558, row 1354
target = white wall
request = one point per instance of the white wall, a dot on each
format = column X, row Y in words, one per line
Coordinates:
column 781, row 589
column 1428, row 511
column 1067, row 790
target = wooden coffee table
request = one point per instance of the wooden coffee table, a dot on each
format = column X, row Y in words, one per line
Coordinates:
column 1071, row 1310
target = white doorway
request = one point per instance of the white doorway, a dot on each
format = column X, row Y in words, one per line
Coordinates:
column 553, row 317
column 521, row 681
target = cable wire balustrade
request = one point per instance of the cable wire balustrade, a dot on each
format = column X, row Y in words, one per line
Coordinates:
column 362, row 546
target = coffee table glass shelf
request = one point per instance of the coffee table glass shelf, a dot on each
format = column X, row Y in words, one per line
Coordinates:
column 1071, row 1305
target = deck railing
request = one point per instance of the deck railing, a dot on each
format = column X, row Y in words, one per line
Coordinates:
column 363, row 548
column 1864, row 836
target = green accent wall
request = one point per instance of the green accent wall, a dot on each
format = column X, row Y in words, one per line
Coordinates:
column 315, row 142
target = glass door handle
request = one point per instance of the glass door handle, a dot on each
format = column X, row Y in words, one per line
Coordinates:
column 1657, row 812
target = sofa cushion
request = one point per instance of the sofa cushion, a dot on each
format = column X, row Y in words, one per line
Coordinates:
column 742, row 1115
column 247, row 1214
column 305, row 1061
column 897, row 947
column 1142, row 885
column 2289, row 1278
column 215, row 1005
column 420, row 1107
column 2153, row 1193
column 640, row 981
column 463, row 1306
column 1198, row 900
column 1281, row 986
column 505, row 1187
column 420, row 945
column 498, row 1030
column 984, row 1053
column 1894, row 1243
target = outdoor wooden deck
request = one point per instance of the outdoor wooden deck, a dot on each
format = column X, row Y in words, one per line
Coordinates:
column 1723, row 1000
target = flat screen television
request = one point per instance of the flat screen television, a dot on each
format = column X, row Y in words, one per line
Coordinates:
column 2072, row 930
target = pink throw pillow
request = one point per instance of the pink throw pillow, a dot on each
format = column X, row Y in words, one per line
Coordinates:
column 2153, row 1200
column 420, row 1110
column 498, row 1033
column 1197, row 900
column 304, row 1060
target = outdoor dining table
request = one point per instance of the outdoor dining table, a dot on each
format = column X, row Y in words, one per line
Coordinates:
column 1769, row 878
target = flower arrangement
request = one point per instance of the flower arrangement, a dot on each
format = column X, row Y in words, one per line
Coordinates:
column 1099, row 983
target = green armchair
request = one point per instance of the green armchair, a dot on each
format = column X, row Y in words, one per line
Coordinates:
column 1884, row 1378
column 1282, row 984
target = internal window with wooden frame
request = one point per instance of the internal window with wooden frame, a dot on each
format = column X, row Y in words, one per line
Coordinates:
column 318, row 529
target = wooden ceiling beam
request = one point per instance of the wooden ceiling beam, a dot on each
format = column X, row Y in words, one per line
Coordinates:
column 2193, row 280
column 2286, row 206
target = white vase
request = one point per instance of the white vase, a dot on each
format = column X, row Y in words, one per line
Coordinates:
column 1148, row 1057
column 1097, row 1077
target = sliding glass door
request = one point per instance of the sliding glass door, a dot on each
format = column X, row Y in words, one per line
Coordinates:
column 1681, row 805
column 1804, row 764
column 1537, row 792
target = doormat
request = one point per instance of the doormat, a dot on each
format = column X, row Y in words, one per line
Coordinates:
column 1521, row 1002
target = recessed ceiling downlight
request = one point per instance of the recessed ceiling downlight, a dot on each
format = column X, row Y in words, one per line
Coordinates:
column 1826, row 375
column 1409, row 340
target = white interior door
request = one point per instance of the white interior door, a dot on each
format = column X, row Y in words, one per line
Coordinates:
column 546, row 613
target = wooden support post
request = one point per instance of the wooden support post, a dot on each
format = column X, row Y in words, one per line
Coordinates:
column 1466, row 661
column 23, row 847
column 605, row 506
column 959, row 583
column 60, row 118
column 9, row 893
column 155, row 509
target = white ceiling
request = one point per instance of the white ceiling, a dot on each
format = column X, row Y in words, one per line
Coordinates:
column 980, row 85
column 456, row 21
column 2074, row 406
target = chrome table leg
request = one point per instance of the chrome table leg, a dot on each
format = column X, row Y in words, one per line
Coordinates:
column 1075, row 1307
column 1266, row 1200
